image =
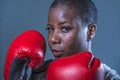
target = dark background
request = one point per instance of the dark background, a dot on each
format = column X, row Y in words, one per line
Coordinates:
column 17, row 16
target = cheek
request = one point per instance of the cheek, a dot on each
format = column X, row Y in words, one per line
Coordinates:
column 49, row 37
column 71, row 43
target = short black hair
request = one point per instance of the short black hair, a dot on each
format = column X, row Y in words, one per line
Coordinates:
column 85, row 9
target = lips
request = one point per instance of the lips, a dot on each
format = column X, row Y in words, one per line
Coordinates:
column 57, row 53
column 57, row 50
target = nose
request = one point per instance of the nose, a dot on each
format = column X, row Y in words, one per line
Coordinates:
column 55, row 38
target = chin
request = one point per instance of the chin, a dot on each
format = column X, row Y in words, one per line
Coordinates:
column 58, row 57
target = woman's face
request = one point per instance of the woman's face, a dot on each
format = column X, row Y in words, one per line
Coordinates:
column 65, row 34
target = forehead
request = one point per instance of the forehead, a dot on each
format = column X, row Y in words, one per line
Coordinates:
column 61, row 11
column 61, row 14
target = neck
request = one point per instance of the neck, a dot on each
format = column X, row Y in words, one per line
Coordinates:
column 88, row 45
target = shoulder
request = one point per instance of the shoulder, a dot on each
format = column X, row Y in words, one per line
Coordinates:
column 110, row 74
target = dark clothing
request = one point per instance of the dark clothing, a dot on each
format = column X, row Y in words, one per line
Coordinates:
column 40, row 74
column 110, row 74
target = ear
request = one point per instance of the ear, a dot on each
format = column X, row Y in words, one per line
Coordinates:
column 91, row 31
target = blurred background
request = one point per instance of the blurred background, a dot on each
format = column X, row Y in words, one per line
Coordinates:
column 17, row 16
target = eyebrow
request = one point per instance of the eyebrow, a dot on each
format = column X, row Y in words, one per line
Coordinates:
column 62, row 23
column 58, row 23
column 49, row 24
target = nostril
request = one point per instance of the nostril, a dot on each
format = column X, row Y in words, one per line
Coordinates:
column 55, row 38
column 55, row 41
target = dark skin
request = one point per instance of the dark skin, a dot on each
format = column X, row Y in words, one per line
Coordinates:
column 66, row 34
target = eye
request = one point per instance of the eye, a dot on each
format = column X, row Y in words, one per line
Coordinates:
column 66, row 29
column 49, row 29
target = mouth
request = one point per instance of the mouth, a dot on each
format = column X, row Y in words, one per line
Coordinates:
column 57, row 53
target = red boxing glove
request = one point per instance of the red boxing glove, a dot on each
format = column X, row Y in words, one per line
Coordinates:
column 82, row 66
column 28, row 49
